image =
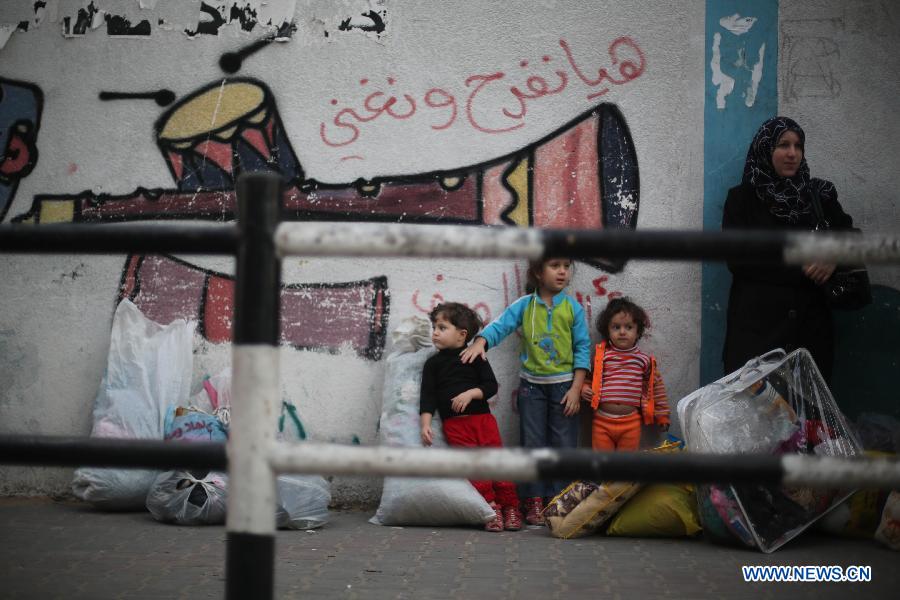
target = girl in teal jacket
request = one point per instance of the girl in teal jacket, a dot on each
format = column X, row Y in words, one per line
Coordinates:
column 556, row 352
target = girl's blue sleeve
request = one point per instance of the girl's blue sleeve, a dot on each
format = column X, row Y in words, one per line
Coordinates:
column 508, row 321
column 581, row 340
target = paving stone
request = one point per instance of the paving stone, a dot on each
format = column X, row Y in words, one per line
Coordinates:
column 68, row 550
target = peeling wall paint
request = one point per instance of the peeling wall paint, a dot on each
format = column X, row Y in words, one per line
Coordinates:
column 143, row 18
column 735, row 54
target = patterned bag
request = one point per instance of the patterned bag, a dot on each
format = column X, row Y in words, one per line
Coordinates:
column 583, row 507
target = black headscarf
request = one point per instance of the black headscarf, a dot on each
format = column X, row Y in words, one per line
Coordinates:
column 788, row 198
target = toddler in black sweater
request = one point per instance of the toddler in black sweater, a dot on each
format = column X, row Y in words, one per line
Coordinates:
column 459, row 393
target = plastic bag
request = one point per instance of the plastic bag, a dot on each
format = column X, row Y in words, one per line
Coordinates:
column 148, row 368
column 302, row 501
column 418, row 501
column 878, row 432
column 215, row 399
column 188, row 497
column 721, row 516
column 193, row 426
column 660, row 510
column 888, row 532
column 858, row 516
column 775, row 404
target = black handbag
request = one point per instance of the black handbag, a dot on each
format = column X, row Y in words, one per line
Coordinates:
column 848, row 288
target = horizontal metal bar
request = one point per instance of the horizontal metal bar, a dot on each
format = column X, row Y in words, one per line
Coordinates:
column 843, row 248
column 335, row 459
column 523, row 465
column 461, row 241
column 765, row 247
column 119, row 237
column 504, row 464
column 746, row 246
column 385, row 239
column 110, row 452
column 742, row 246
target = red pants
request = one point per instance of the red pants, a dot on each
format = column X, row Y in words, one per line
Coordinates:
column 480, row 431
column 608, row 433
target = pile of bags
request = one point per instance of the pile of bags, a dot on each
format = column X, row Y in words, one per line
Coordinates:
column 624, row 508
column 145, row 394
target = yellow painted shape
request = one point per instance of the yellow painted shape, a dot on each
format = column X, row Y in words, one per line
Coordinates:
column 215, row 109
column 518, row 181
column 57, row 211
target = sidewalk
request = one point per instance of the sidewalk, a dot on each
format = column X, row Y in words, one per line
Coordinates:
column 54, row 549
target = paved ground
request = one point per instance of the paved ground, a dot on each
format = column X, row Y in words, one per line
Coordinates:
column 54, row 549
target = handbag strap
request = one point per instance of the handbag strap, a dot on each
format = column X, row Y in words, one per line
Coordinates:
column 821, row 222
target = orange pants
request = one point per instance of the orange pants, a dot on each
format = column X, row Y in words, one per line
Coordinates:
column 609, row 433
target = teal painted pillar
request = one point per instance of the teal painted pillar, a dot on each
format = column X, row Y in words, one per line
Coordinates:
column 741, row 92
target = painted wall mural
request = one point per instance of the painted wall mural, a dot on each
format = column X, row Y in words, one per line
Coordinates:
column 583, row 175
column 319, row 316
column 20, row 114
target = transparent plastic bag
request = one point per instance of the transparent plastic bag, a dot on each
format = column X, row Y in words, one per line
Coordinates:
column 189, row 497
column 148, row 369
column 302, row 501
column 775, row 404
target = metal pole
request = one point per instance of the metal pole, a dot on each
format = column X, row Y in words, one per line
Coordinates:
column 458, row 241
column 65, row 451
column 256, row 389
column 106, row 238
column 506, row 464
column 548, row 464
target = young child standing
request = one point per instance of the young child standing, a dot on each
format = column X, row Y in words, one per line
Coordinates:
column 626, row 387
column 459, row 392
column 555, row 358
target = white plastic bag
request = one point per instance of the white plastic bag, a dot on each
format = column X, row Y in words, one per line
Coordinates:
column 149, row 368
column 188, row 498
column 416, row 501
column 302, row 501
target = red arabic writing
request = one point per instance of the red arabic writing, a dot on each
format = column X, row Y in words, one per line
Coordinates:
column 485, row 97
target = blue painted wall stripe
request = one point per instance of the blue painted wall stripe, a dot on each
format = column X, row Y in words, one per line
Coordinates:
column 729, row 122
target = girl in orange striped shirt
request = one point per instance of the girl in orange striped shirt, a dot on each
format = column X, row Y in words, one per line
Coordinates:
column 625, row 387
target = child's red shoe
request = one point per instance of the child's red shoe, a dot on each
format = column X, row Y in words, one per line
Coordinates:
column 512, row 518
column 533, row 509
column 496, row 524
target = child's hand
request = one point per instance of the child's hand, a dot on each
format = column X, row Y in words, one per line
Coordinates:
column 427, row 436
column 587, row 393
column 572, row 401
column 460, row 402
column 475, row 350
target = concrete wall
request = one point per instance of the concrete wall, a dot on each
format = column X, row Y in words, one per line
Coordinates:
column 838, row 77
column 546, row 113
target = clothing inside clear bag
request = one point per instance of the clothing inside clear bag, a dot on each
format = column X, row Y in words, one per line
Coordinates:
column 776, row 404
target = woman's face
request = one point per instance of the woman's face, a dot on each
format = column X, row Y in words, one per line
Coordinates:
column 788, row 154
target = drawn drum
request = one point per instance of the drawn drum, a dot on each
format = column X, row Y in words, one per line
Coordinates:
column 221, row 131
